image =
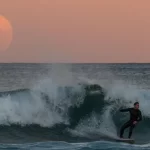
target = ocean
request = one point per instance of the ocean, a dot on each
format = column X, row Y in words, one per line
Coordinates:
column 72, row 106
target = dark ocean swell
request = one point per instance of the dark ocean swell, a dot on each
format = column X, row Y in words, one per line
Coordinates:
column 65, row 113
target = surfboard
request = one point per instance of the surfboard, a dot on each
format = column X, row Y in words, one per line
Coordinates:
column 130, row 141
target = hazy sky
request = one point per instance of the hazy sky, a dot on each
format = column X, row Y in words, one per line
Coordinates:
column 78, row 30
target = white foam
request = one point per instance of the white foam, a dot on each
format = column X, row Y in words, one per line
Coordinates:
column 30, row 108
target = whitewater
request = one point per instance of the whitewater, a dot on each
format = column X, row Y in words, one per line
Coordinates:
column 72, row 106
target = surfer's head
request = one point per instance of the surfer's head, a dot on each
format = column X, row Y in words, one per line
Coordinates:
column 136, row 105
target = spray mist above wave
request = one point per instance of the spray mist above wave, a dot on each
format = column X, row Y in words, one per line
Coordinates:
column 45, row 104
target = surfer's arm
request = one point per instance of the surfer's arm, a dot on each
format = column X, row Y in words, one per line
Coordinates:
column 125, row 110
column 140, row 116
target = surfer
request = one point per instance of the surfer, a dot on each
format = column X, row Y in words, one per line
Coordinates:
column 135, row 117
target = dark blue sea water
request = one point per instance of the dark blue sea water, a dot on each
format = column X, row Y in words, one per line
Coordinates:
column 72, row 106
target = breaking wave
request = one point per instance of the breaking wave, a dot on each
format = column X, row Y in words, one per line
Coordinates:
column 74, row 112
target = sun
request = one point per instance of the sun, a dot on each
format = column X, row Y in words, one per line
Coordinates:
column 5, row 33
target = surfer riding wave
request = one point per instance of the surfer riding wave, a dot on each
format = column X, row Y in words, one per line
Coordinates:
column 135, row 117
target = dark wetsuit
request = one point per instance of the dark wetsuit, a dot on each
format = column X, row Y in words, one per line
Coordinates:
column 135, row 115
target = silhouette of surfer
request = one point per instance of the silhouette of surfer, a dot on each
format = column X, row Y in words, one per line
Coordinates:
column 135, row 117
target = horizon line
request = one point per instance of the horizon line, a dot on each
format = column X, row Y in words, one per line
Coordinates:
column 74, row 62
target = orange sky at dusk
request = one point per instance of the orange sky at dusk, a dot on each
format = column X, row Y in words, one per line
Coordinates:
column 78, row 30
